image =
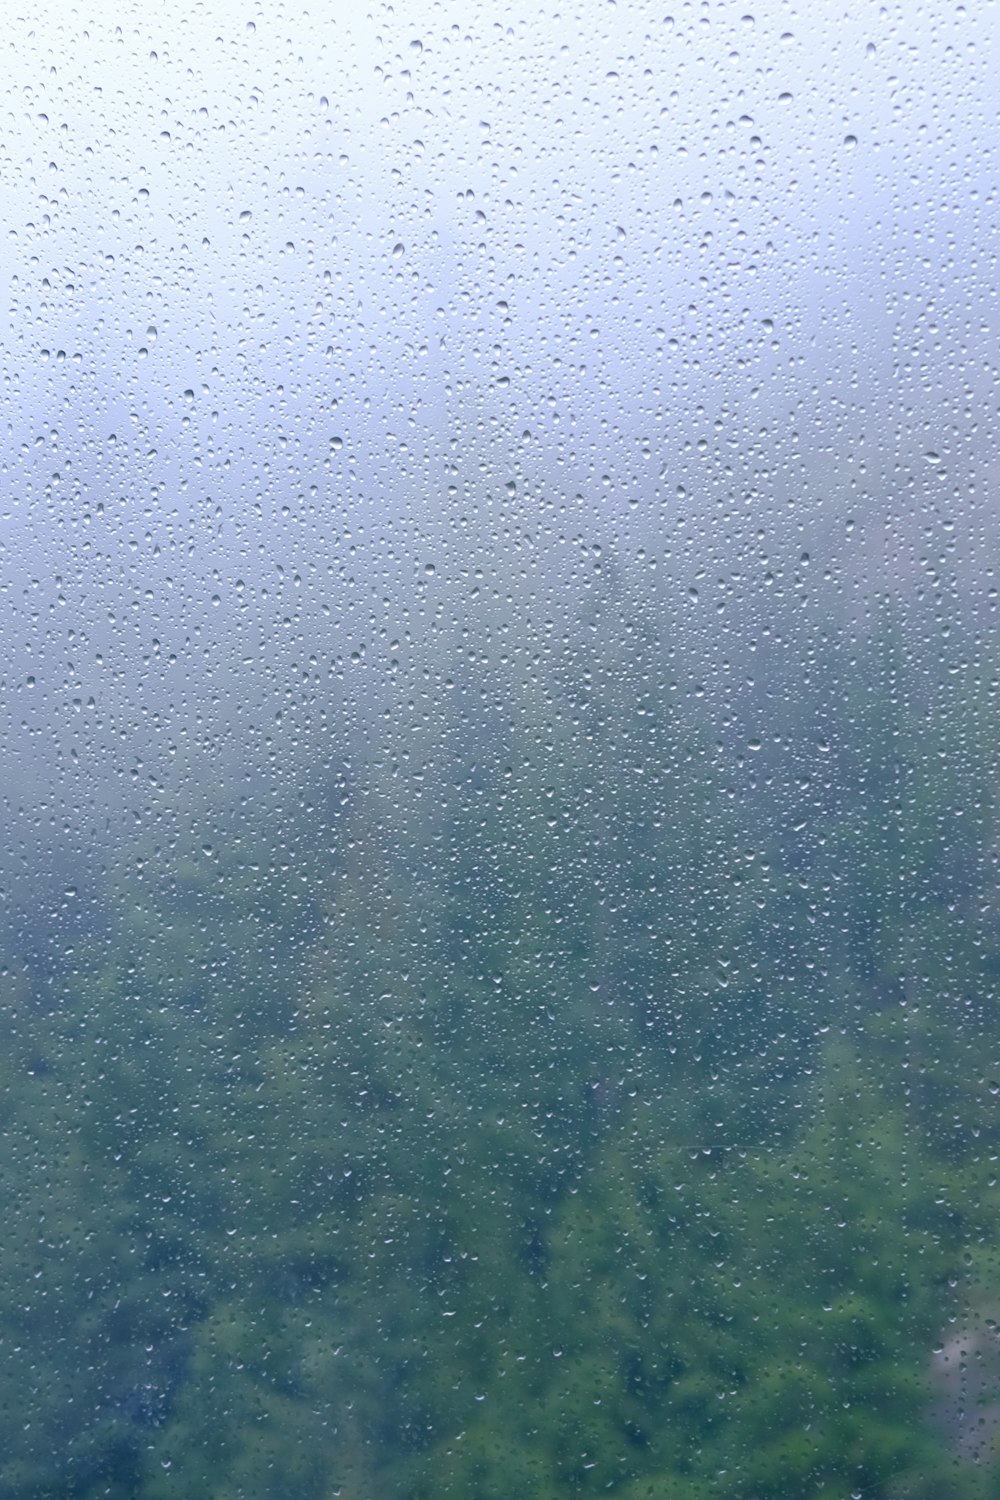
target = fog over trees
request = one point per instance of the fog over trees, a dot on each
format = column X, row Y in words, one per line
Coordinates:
column 498, row 749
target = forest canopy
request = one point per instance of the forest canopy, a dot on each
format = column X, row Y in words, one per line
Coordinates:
column 623, row 1122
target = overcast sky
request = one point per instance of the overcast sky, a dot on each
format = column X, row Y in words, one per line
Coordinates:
column 314, row 312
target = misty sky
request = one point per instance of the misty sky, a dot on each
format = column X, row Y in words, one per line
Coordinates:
column 313, row 313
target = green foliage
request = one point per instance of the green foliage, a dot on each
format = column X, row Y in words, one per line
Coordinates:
column 582, row 1138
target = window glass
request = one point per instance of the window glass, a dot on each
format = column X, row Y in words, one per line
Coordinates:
column 499, row 949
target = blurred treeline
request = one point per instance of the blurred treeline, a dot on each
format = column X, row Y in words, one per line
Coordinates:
column 591, row 1088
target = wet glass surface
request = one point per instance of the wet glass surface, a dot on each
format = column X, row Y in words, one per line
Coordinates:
column 499, row 940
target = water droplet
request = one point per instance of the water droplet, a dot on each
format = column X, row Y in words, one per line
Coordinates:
column 398, row 249
column 850, row 141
